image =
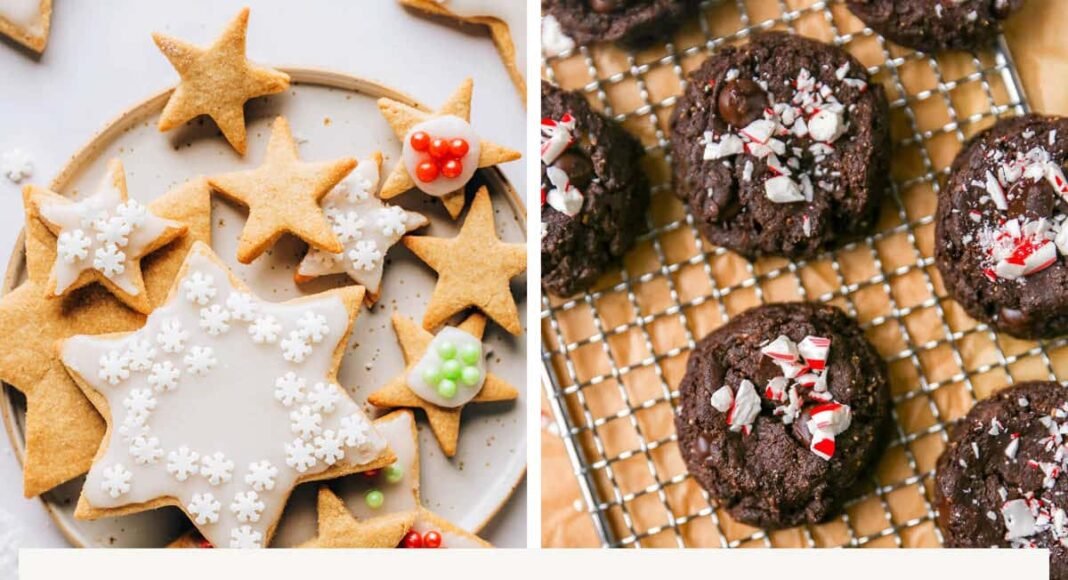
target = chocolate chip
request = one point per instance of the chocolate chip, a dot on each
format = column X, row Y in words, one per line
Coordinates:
column 721, row 204
column 1012, row 319
column 607, row 6
column 577, row 166
column 1030, row 198
column 741, row 102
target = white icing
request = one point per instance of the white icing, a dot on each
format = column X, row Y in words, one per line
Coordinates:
column 399, row 496
column 366, row 226
column 102, row 232
column 445, row 127
column 24, row 13
column 553, row 40
column 224, row 434
column 511, row 12
column 434, row 361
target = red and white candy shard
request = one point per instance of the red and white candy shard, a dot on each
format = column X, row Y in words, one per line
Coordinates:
column 562, row 196
column 1020, row 247
column 722, row 399
column 556, row 137
column 745, row 409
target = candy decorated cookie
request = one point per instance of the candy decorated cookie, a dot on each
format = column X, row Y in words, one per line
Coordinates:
column 440, row 151
column 442, row 374
column 217, row 81
column 366, row 227
column 261, row 379
column 283, row 196
column 27, row 22
column 101, row 238
column 63, row 430
column 474, row 269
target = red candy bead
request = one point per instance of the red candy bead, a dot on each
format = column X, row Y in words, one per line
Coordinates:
column 426, row 171
column 439, row 148
column 413, row 540
column 458, row 147
column 452, row 168
column 203, row 543
column 371, row 474
column 420, row 141
column 432, row 540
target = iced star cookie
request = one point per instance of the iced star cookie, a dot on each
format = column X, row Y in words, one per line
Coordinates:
column 261, row 380
column 217, row 81
column 474, row 269
column 63, row 430
column 366, row 227
column 283, row 196
column 506, row 20
column 442, row 374
column 440, row 151
column 27, row 22
column 101, row 238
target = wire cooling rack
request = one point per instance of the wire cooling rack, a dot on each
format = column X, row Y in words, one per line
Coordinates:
column 613, row 357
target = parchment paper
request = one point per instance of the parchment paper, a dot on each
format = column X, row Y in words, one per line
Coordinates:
column 891, row 286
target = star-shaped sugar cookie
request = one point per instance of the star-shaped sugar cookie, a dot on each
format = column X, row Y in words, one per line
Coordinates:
column 338, row 528
column 101, row 238
column 261, row 380
column 283, row 195
column 444, row 420
column 504, row 19
column 27, row 22
column 419, row 133
column 217, row 81
column 367, row 228
column 474, row 269
column 63, row 430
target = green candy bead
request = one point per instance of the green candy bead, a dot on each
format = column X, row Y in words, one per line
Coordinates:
column 447, row 350
column 451, row 369
column 471, row 376
column 469, row 353
column 447, row 388
column 394, row 473
column 432, row 375
column 374, row 499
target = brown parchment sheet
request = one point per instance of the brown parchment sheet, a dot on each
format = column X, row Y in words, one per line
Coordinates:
column 679, row 288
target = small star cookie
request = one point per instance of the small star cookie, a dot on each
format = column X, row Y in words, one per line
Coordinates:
column 101, row 238
column 260, row 377
column 439, row 151
column 473, row 269
column 367, row 228
column 442, row 374
column 217, row 81
column 27, row 22
column 283, row 195
column 338, row 528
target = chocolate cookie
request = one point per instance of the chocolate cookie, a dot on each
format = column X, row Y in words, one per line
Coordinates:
column 631, row 22
column 594, row 194
column 780, row 411
column 781, row 147
column 1001, row 481
column 932, row 25
column 1001, row 236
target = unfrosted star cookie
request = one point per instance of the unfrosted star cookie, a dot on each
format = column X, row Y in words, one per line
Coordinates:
column 283, row 195
column 27, row 22
column 366, row 227
column 440, row 151
column 261, row 380
column 442, row 373
column 473, row 269
column 217, row 81
column 102, row 238
column 338, row 528
column 63, row 430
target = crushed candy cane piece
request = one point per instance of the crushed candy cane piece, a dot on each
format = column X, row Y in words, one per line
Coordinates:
column 556, row 137
column 745, row 409
column 722, row 399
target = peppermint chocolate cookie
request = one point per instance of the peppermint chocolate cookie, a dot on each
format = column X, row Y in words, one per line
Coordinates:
column 1001, row 238
column 633, row 22
column 1001, row 482
column 781, row 146
column 781, row 410
column 931, row 25
column 594, row 193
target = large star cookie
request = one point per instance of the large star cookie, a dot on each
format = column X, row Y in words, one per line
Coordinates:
column 439, row 151
column 27, row 22
column 442, row 374
column 217, row 81
column 365, row 226
column 283, row 196
column 474, row 269
column 102, row 238
column 260, row 380
column 63, row 430
column 506, row 21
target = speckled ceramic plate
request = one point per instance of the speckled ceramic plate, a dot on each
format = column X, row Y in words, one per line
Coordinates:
column 331, row 115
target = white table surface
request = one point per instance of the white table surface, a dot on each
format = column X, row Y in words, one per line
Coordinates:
column 101, row 59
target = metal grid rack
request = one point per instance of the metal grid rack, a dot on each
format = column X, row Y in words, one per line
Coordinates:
column 623, row 483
